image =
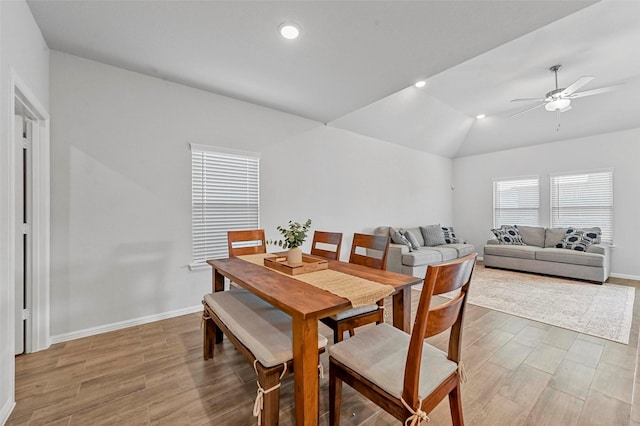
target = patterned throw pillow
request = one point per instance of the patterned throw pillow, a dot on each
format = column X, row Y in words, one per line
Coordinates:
column 579, row 239
column 508, row 235
column 415, row 245
column 449, row 235
column 397, row 237
column 433, row 235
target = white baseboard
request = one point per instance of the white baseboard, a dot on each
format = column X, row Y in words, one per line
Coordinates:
column 625, row 276
column 123, row 324
column 7, row 409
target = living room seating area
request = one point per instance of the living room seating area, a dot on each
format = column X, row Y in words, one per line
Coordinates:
column 566, row 252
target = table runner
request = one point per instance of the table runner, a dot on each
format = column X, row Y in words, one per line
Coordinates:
column 359, row 291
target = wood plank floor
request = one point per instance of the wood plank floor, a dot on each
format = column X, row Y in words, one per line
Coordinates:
column 519, row 372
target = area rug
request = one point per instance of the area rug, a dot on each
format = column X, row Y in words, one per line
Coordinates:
column 598, row 310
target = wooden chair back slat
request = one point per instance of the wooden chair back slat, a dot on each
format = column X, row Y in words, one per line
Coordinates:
column 250, row 241
column 320, row 241
column 370, row 243
column 431, row 320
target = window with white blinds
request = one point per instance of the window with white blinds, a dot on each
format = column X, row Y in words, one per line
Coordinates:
column 225, row 193
column 583, row 200
column 516, row 201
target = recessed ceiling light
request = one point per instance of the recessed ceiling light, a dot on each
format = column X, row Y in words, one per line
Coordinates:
column 420, row 83
column 289, row 30
column 480, row 116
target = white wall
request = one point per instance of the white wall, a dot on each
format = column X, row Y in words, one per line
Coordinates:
column 24, row 55
column 352, row 183
column 620, row 150
column 121, row 207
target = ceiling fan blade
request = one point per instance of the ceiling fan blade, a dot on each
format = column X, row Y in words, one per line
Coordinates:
column 595, row 91
column 577, row 84
column 565, row 109
column 527, row 100
column 527, row 110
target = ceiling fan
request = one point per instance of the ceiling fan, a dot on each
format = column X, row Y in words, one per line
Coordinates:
column 559, row 99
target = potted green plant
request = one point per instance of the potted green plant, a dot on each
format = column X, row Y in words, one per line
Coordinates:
column 294, row 235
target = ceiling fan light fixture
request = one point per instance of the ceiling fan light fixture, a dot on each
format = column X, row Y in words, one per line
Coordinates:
column 557, row 104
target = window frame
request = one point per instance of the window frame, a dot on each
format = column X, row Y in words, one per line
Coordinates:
column 607, row 228
column 514, row 180
column 247, row 195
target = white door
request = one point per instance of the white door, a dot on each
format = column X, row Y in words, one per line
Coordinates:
column 23, row 224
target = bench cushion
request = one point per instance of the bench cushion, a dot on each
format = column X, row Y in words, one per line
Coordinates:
column 379, row 353
column 263, row 329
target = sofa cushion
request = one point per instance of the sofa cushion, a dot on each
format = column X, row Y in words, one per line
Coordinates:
column 415, row 245
column 397, row 237
column 418, row 234
column 573, row 257
column 448, row 253
column 579, row 239
column 553, row 236
column 449, row 235
column 532, row 235
column 519, row 251
column 433, row 235
column 461, row 248
column 508, row 235
column 424, row 256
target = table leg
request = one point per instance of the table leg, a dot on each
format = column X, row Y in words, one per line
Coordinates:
column 305, row 370
column 218, row 285
column 402, row 309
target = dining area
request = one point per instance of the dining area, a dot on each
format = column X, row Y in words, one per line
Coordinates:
column 270, row 308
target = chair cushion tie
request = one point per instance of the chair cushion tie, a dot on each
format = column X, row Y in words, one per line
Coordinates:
column 417, row 417
column 462, row 373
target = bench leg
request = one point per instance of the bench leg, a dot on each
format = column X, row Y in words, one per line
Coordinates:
column 208, row 335
column 268, row 378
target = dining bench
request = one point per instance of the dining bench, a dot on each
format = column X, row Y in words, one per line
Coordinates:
column 262, row 334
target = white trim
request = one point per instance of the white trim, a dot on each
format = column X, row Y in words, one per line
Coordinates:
column 40, row 267
column 625, row 276
column 583, row 172
column 123, row 324
column 234, row 152
column 6, row 410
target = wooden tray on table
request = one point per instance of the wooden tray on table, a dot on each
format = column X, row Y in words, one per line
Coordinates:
column 309, row 264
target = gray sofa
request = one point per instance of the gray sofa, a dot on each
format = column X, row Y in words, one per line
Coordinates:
column 414, row 262
column 539, row 254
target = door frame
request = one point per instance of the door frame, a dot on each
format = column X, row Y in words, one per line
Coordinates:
column 38, row 328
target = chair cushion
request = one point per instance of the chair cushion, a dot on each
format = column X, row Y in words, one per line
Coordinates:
column 379, row 353
column 263, row 329
column 355, row 311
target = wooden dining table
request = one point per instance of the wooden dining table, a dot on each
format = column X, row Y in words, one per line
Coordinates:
column 306, row 304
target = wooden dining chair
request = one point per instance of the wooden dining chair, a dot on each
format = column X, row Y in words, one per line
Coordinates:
column 324, row 242
column 367, row 250
column 249, row 241
column 415, row 376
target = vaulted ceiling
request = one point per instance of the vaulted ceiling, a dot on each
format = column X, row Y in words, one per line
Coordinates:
column 355, row 63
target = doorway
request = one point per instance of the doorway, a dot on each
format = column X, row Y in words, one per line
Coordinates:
column 29, row 155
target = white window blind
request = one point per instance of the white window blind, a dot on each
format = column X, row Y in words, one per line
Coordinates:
column 225, row 196
column 583, row 200
column 516, row 201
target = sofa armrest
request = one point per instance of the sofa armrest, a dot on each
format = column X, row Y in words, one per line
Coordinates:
column 394, row 257
column 599, row 249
